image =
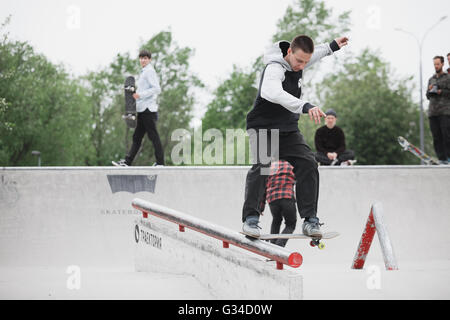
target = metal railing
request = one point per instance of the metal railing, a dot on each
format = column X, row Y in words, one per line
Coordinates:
column 273, row 252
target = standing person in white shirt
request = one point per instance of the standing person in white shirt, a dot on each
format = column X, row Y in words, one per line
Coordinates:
column 146, row 96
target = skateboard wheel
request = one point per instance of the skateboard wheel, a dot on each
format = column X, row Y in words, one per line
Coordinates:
column 321, row 246
column 312, row 244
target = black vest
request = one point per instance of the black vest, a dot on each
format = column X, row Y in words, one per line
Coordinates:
column 268, row 115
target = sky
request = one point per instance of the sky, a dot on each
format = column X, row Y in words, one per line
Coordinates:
column 85, row 35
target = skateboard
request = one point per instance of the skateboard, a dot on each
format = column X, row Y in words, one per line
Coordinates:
column 315, row 241
column 130, row 115
column 416, row 151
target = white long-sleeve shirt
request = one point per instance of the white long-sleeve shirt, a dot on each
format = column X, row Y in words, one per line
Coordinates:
column 271, row 87
column 148, row 89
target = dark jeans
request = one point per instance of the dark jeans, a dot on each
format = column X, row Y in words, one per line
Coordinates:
column 283, row 209
column 440, row 130
column 342, row 157
column 146, row 123
column 292, row 148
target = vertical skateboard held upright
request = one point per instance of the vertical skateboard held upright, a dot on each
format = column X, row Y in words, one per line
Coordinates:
column 130, row 115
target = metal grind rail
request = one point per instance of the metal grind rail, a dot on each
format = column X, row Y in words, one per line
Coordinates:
column 227, row 236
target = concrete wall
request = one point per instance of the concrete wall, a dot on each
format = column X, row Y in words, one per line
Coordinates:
column 228, row 273
column 65, row 216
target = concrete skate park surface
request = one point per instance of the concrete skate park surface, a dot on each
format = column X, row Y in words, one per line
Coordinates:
column 66, row 223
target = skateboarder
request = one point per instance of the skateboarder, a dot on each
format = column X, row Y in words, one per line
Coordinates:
column 281, row 199
column 278, row 106
column 330, row 143
column 146, row 96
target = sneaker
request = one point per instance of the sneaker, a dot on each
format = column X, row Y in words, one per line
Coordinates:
column 120, row 163
column 348, row 163
column 311, row 227
column 251, row 227
column 157, row 165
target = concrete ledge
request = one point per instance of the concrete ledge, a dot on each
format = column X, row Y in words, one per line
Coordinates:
column 228, row 273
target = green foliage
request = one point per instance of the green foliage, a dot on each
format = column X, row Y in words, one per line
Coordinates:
column 311, row 18
column 373, row 109
column 110, row 138
column 235, row 96
column 42, row 108
column 177, row 98
column 78, row 121
column 233, row 99
column 107, row 127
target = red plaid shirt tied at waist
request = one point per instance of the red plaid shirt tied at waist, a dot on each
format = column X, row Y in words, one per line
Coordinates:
column 280, row 183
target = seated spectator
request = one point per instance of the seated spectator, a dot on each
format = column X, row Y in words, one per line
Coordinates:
column 330, row 143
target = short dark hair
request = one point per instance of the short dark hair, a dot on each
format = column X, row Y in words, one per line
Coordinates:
column 440, row 58
column 145, row 53
column 448, row 54
column 302, row 42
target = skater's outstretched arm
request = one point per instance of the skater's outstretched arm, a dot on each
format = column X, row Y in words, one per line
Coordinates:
column 326, row 49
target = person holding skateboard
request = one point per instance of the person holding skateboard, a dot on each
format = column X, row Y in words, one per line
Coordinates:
column 276, row 111
column 146, row 95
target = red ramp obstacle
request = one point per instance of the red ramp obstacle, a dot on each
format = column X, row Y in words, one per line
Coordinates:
column 375, row 223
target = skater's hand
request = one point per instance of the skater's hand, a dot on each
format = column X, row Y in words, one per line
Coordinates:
column 316, row 113
column 136, row 96
column 342, row 41
column 332, row 155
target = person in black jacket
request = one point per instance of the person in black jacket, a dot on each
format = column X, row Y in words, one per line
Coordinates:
column 448, row 59
column 330, row 143
column 439, row 110
column 274, row 117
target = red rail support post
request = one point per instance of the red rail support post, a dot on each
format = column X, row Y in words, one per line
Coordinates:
column 375, row 223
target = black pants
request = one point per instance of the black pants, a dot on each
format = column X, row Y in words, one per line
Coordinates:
column 283, row 209
column 292, row 148
column 146, row 123
column 342, row 157
column 440, row 130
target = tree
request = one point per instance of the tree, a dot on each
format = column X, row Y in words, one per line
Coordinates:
column 106, row 125
column 312, row 18
column 235, row 95
column 42, row 108
column 178, row 84
column 374, row 108
column 109, row 137
column 233, row 99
